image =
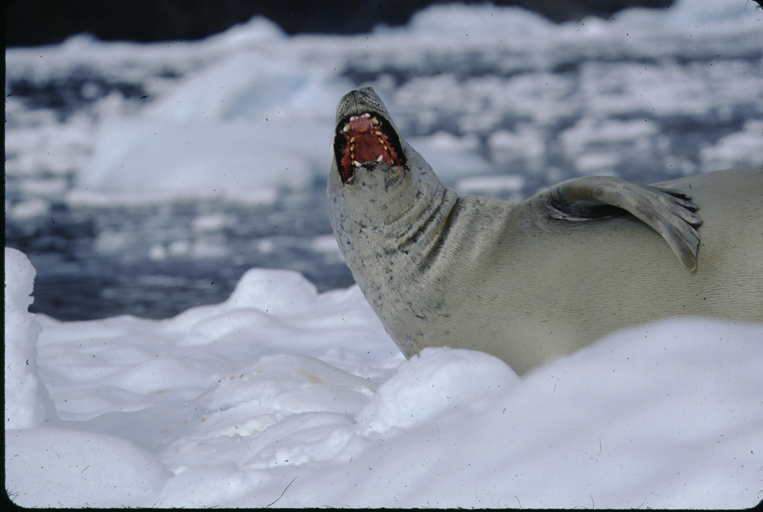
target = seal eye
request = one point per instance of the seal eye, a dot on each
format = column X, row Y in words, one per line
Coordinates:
column 365, row 138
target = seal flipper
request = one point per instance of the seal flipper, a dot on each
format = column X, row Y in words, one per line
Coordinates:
column 668, row 211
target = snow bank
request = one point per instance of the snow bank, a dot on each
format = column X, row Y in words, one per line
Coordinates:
column 25, row 396
column 436, row 381
column 49, row 467
column 281, row 395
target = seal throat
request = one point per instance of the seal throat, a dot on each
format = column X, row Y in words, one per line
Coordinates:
column 365, row 138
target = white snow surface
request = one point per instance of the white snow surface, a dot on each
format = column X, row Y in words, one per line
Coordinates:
column 24, row 394
column 284, row 396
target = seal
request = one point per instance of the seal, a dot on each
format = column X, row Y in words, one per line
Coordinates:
column 535, row 280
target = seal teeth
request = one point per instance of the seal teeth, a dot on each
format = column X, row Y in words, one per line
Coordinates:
column 366, row 115
column 356, row 163
column 379, row 159
column 377, row 132
column 347, row 128
column 374, row 121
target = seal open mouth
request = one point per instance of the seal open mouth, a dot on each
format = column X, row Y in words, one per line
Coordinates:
column 365, row 138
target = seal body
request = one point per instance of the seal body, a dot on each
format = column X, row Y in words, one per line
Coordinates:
column 519, row 282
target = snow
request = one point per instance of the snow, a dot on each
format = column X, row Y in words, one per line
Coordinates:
column 25, row 396
column 80, row 469
column 279, row 386
column 283, row 396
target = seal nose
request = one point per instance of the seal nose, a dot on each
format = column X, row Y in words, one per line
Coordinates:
column 358, row 100
column 348, row 103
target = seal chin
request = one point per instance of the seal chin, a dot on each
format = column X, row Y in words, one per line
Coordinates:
column 366, row 137
column 378, row 175
column 377, row 195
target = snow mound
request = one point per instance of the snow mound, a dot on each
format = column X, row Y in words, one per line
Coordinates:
column 79, row 469
column 26, row 400
column 281, row 394
column 436, row 380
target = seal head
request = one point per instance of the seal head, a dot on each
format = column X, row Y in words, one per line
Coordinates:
column 380, row 185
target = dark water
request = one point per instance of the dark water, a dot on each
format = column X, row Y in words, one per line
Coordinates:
column 94, row 262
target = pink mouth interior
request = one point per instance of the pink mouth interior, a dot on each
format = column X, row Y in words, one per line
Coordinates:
column 365, row 140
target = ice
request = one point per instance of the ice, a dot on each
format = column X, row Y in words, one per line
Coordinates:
column 31, row 147
column 194, row 159
column 486, row 185
column 451, row 156
column 260, row 129
column 519, row 145
column 327, row 245
column 736, row 150
column 247, row 113
column 79, row 469
column 211, row 222
column 478, row 21
column 29, row 209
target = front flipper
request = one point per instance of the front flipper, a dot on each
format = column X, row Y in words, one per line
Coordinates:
column 666, row 210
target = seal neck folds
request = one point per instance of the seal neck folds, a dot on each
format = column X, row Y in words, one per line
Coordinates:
column 379, row 185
